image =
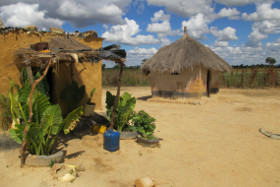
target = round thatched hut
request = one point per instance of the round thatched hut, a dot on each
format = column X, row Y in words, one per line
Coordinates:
column 185, row 68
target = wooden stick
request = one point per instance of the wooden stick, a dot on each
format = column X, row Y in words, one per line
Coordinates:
column 24, row 143
column 117, row 96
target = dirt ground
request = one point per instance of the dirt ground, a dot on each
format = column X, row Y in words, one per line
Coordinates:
column 209, row 142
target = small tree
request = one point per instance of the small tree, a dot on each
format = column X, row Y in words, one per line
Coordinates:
column 270, row 60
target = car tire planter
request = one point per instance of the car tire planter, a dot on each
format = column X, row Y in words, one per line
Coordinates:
column 148, row 143
column 128, row 135
column 44, row 160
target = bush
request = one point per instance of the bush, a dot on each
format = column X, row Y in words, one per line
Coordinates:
column 144, row 124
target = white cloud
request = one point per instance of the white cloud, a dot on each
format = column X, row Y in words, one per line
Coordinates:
column 160, row 28
column 226, row 34
column 86, row 12
column 266, row 21
column 231, row 13
column 160, row 16
column 142, row 51
column 235, row 2
column 127, row 34
column 21, row 15
column 161, row 25
column 164, row 41
column 197, row 26
column 263, row 12
column 247, row 55
column 220, row 44
column 274, row 46
column 185, row 8
column 137, row 55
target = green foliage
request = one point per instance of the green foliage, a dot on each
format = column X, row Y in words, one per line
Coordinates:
column 42, row 86
column 144, row 124
column 91, row 95
column 124, row 110
column 72, row 95
column 270, row 60
column 47, row 120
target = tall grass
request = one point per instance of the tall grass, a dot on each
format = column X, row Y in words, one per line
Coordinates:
column 251, row 78
column 129, row 78
column 238, row 78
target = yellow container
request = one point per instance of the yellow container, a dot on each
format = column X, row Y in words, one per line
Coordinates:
column 99, row 129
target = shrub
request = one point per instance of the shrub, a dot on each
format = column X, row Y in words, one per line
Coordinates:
column 144, row 124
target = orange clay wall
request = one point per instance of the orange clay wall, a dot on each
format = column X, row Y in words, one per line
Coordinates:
column 11, row 41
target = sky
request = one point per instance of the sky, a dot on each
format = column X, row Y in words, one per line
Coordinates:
column 240, row 31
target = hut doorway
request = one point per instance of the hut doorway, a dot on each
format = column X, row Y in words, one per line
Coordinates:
column 208, row 82
column 50, row 82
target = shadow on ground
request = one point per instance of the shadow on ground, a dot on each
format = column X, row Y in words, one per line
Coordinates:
column 144, row 98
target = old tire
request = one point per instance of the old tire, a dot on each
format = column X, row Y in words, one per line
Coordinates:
column 44, row 160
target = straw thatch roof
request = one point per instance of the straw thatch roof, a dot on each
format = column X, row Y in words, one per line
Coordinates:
column 65, row 50
column 184, row 54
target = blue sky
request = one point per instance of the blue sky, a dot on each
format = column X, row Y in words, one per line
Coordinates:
column 240, row 31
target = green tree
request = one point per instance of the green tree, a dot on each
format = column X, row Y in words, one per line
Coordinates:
column 270, row 60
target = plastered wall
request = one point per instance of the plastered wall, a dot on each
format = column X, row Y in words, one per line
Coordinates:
column 90, row 75
column 186, row 83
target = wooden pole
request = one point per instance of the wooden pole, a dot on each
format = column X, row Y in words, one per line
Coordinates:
column 117, row 96
column 24, row 143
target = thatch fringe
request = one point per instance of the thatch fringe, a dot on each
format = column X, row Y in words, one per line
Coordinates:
column 66, row 50
column 184, row 54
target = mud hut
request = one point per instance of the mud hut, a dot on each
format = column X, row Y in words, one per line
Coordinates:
column 185, row 68
column 14, row 38
column 66, row 58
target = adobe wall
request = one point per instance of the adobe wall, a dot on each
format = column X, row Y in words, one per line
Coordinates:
column 11, row 41
column 185, row 84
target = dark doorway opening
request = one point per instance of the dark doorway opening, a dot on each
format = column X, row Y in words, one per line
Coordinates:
column 208, row 82
column 49, row 78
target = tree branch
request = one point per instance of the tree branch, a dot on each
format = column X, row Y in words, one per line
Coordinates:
column 24, row 143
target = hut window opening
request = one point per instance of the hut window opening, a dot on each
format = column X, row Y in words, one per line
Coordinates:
column 174, row 73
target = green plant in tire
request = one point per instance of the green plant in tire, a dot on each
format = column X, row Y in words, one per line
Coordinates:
column 124, row 110
column 144, row 124
column 47, row 121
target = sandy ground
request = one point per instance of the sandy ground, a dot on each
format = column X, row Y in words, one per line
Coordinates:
column 213, row 143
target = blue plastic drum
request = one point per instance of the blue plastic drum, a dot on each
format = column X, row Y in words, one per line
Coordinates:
column 111, row 140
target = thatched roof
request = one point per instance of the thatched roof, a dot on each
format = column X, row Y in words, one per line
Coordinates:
column 184, row 54
column 66, row 50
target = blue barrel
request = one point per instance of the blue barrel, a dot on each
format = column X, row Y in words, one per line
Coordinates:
column 111, row 140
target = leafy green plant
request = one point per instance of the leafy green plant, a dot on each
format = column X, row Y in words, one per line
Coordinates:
column 47, row 120
column 124, row 110
column 91, row 95
column 144, row 124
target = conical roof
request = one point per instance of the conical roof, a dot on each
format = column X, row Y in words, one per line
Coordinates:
column 184, row 54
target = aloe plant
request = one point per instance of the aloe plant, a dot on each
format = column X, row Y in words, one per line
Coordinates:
column 47, row 120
